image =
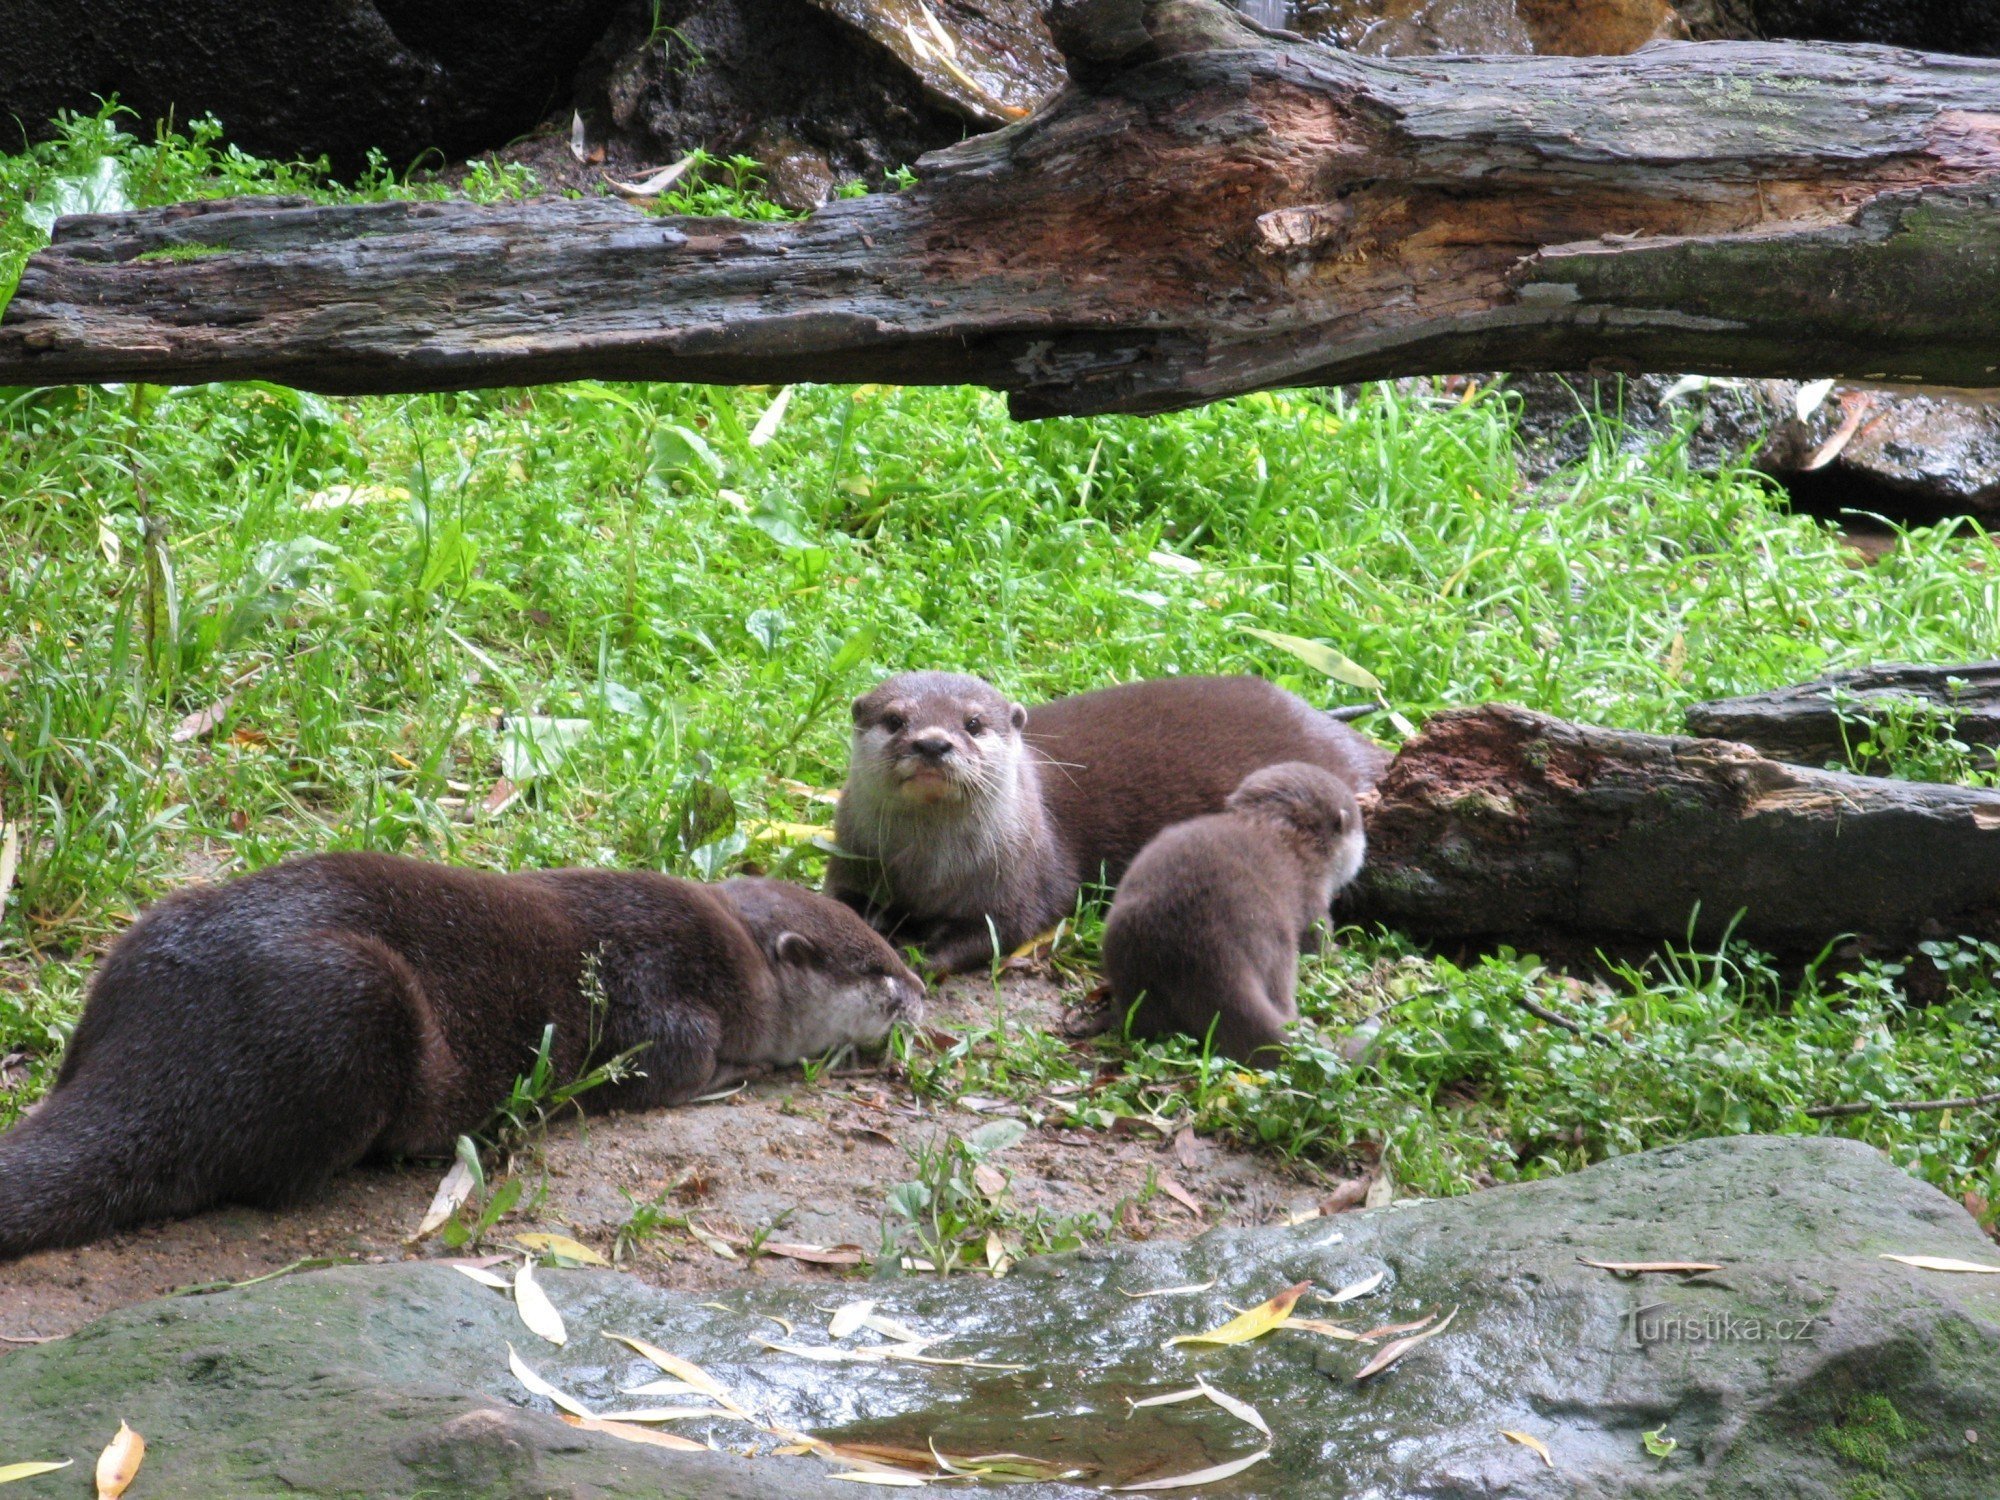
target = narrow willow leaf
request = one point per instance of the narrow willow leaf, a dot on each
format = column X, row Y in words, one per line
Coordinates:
column 632, row 1434
column 767, row 424
column 453, row 1191
column 563, row 1245
column 667, row 1414
column 1945, row 1263
column 848, row 1318
column 1321, row 658
column 1250, row 1324
column 11, row 1472
column 1642, row 1267
column 118, row 1464
column 889, row 1328
column 1330, row 1330
column 1526, row 1441
column 1169, row 1291
column 675, row 1366
column 663, row 1388
column 882, row 1477
column 1171, row 1398
column 485, row 1277
column 1238, row 1408
column 1360, row 1288
column 535, row 1308
column 1388, row 1354
column 540, row 1387
column 1200, row 1476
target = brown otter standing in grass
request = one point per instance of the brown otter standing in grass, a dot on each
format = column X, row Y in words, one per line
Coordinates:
column 1210, row 920
column 969, row 823
column 244, row 1042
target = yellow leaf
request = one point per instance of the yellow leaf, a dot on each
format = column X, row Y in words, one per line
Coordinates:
column 637, row 1434
column 1200, row 1476
column 11, row 1472
column 1321, row 658
column 680, row 1369
column 1945, row 1263
column 1254, row 1323
column 118, row 1464
column 1525, row 1441
column 563, row 1245
column 776, row 830
column 535, row 1308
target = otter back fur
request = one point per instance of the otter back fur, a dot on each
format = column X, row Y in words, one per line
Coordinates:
column 246, row 1041
column 969, row 824
column 1210, row 920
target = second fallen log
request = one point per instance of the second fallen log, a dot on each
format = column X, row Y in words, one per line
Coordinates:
column 1501, row 823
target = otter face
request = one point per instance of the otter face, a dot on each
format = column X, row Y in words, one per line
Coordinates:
column 839, row 981
column 1312, row 802
column 931, row 738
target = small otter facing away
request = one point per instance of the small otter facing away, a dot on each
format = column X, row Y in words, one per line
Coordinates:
column 969, row 823
column 1209, row 922
column 245, row 1042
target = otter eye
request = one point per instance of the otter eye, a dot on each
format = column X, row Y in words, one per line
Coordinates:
column 975, row 725
column 894, row 723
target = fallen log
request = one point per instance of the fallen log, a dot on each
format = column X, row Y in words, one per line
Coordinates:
column 1209, row 208
column 1500, row 823
column 1828, row 720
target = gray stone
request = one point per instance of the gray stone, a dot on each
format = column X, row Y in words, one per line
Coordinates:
column 1807, row 1366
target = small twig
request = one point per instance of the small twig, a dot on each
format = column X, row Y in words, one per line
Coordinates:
column 1557, row 1018
column 1902, row 1106
column 45, row 1338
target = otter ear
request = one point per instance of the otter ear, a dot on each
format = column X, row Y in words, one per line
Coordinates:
column 1017, row 716
column 859, row 709
column 794, row 948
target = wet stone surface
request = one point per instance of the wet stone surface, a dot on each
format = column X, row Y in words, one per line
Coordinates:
column 1806, row 1366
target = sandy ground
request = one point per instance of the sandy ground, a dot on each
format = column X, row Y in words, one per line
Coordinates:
column 813, row 1160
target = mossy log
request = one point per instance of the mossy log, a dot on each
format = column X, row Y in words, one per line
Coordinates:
column 1209, row 208
column 1500, row 823
column 1828, row 720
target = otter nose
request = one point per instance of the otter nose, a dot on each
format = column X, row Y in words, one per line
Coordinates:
column 932, row 744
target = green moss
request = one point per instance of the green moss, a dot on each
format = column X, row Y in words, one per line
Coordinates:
column 183, row 252
column 1870, row 1435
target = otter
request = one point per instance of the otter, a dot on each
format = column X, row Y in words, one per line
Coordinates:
column 244, row 1042
column 1208, row 924
column 969, row 823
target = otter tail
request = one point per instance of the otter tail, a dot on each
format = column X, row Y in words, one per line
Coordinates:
column 81, row 1166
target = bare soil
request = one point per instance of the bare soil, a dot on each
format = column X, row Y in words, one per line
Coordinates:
column 813, row 1160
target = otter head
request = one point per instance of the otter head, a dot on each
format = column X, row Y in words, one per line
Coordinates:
column 923, row 739
column 838, row 980
column 1311, row 804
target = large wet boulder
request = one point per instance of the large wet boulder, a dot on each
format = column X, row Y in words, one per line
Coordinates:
column 332, row 77
column 1806, row 1366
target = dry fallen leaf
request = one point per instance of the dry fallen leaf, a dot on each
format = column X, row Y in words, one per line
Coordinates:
column 882, row 1477
column 1331, row 1330
column 454, row 1190
column 1350, row 1194
column 1641, row 1267
column 637, row 1434
column 767, row 424
column 680, row 1369
column 10, row 861
column 1179, row 1194
column 847, row 1319
column 816, row 1255
column 654, row 185
column 579, row 141
column 1169, row 1291
column 1386, row 1329
column 1202, row 1476
column 712, row 1241
column 1390, row 1353
column 1250, row 1324
column 203, row 720
column 1945, row 1263
column 666, row 1414
column 563, row 1245
column 1238, row 1408
column 990, row 1180
column 118, row 1464
column 535, row 1308
column 485, row 1277
column 540, row 1387
column 1526, row 1441
column 662, row 1388
column 902, row 1333
column 11, row 1472
column 1359, row 1288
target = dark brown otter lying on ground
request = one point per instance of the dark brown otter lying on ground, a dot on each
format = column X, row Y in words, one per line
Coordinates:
column 1209, row 922
column 244, row 1042
column 969, row 823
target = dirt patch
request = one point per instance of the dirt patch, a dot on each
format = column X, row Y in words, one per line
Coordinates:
column 815, row 1160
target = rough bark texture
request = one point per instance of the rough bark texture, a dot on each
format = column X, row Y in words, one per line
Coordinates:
column 1499, row 822
column 1823, row 721
column 1210, row 209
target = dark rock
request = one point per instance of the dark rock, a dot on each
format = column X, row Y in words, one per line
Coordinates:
column 318, row 76
column 794, row 174
column 1416, row 28
column 1967, row 26
column 1807, row 1367
column 720, row 74
column 989, row 60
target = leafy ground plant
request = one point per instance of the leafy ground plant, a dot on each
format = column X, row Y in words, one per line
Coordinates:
column 957, row 1211
column 243, row 622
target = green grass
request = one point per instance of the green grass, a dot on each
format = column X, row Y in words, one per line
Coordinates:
column 360, row 612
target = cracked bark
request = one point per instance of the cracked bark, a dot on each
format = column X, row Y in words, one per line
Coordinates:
column 1209, row 209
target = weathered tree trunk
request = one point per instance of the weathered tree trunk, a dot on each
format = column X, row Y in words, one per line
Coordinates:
column 1211, row 208
column 1497, row 822
column 1827, row 720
